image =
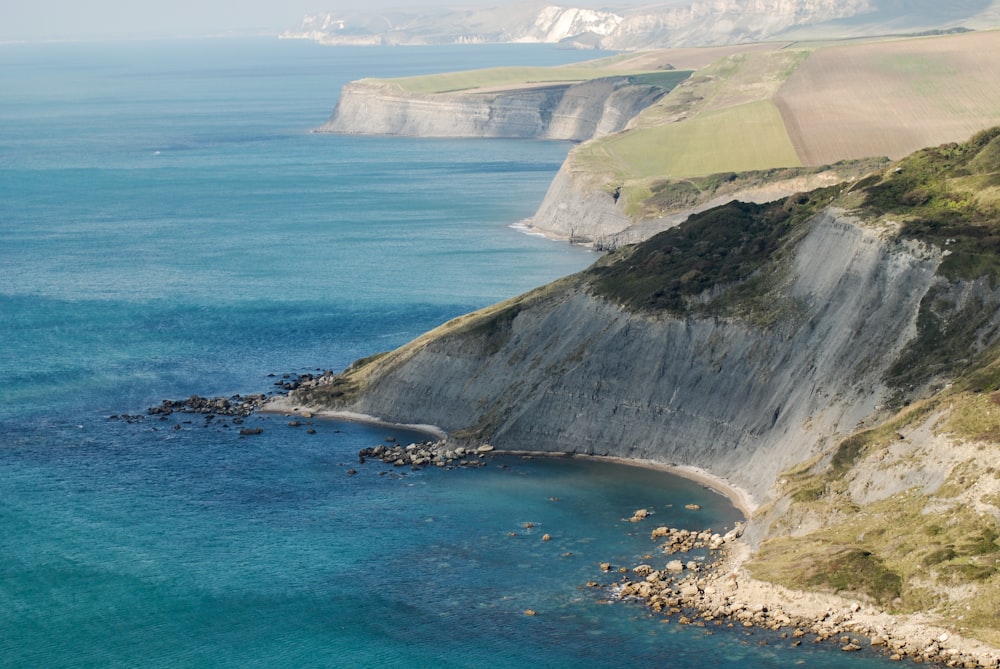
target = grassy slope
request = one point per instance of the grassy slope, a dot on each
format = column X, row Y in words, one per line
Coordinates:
column 809, row 105
column 720, row 120
column 737, row 139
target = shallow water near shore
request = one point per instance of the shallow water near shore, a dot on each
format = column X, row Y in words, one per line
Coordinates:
column 170, row 226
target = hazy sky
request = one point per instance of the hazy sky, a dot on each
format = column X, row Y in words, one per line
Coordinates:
column 90, row 19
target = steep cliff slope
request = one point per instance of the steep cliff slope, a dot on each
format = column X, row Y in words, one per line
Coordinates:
column 744, row 368
column 753, row 341
column 564, row 111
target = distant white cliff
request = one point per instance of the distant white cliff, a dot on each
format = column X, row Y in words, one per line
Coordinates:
column 667, row 24
column 674, row 23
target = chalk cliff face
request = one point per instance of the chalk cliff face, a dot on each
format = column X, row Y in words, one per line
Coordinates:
column 572, row 209
column 665, row 24
column 567, row 370
column 672, row 23
column 574, row 112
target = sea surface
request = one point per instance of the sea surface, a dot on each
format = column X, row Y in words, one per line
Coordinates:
column 169, row 226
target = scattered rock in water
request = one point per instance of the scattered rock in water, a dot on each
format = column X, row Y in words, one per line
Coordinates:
column 290, row 382
column 424, row 454
column 236, row 405
column 251, row 430
column 639, row 515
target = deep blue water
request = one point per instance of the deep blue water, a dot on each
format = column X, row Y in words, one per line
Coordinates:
column 169, row 226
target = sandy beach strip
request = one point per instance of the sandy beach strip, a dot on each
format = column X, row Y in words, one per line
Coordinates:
column 739, row 498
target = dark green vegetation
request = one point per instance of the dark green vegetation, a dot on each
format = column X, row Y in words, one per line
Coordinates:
column 850, row 569
column 667, row 79
column 715, row 249
column 671, row 195
column 949, row 196
column 947, row 334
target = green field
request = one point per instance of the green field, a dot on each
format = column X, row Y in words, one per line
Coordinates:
column 514, row 77
column 746, row 137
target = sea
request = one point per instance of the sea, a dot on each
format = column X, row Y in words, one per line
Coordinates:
column 171, row 226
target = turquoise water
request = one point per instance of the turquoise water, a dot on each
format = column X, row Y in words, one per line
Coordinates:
column 168, row 226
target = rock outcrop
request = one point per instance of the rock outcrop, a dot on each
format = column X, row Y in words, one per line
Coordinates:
column 574, row 112
column 576, row 211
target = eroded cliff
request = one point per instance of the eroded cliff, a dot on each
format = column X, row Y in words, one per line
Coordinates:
column 836, row 354
column 575, row 112
column 569, row 370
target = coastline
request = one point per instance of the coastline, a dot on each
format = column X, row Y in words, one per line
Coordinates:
column 739, row 498
column 729, row 591
column 281, row 405
column 726, row 591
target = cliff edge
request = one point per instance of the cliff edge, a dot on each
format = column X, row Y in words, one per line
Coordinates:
column 766, row 121
column 556, row 111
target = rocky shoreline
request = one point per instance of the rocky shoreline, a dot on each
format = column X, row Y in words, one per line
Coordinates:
column 236, row 407
column 713, row 592
column 717, row 591
column 720, row 592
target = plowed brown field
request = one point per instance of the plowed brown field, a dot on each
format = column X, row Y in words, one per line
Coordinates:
column 891, row 98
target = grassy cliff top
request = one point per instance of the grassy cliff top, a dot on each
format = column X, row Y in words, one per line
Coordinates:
column 947, row 196
column 512, row 78
column 801, row 105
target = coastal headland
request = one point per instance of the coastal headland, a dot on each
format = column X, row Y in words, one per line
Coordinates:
column 799, row 300
column 669, row 132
